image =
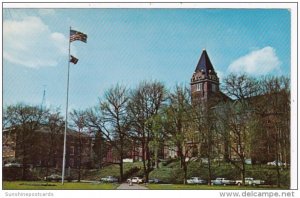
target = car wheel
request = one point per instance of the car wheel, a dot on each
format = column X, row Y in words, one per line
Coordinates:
column 239, row 184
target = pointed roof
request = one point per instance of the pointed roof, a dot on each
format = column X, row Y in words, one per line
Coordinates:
column 204, row 64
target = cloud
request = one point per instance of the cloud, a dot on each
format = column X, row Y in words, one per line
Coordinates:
column 261, row 62
column 29, row 42
column 44, row 12
column 220, row 74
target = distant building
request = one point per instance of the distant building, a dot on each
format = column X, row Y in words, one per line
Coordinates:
column 44, row 148
column 205, row 90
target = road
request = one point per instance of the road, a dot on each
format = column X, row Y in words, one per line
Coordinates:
column 126, row 186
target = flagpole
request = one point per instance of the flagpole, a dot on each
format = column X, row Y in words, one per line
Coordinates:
column 66, row 122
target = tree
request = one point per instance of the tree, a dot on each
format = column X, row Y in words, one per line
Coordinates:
column 236, row 115
column 25, row 120
column 78, row 119
column 204, row 122
column 111, row 120
column 100, row 148
column 178, row 125
column 56, row 124
column 274, row 111
column 145, row 103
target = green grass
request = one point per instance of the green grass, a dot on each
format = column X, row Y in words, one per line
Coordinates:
column 111, row 170
column 26, row 185
column 172, row 173
column 203, row 187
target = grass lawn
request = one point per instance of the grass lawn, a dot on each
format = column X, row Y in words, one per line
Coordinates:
column 203, row 187
column 36, row 185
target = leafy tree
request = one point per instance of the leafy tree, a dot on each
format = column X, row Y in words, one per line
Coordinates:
column 25, row 120
column 235, row 117
column 145, row 103
column 178, row 125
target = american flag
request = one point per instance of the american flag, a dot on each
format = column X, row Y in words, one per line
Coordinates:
column 75, row 35
column 73, row 60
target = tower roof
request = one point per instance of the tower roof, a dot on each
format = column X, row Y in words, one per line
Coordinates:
column 204, row 64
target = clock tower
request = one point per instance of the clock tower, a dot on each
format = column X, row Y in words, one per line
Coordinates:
column 204, row 82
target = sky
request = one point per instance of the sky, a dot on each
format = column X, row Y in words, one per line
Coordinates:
column 127, row 46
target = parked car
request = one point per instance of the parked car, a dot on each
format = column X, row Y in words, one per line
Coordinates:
column 248, row 161
column 155, row 181
column 53, row 177
column 250, row 181
column 222, row 181
column 196, row 180
column 109, row 179
column 280, row 163
column 13, row 164
column 135, row 180
column 56, row 177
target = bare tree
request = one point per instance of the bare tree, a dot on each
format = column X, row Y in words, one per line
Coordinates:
column 145, row 103
column 111, row 119
column 78, row 119
column 274, row 110
column 56, row 123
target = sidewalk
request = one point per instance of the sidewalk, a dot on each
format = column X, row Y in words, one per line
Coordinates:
column 126, row 186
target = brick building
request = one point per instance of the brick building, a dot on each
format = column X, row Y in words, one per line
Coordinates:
column 44, row 148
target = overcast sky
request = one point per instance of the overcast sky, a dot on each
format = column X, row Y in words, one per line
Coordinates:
column 127, row 46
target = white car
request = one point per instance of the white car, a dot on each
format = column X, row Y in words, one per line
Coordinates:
column 280, row 163
column 13, row 165
column 196, row 180
column 135, row 180
column 109, row 179
column 250, row 181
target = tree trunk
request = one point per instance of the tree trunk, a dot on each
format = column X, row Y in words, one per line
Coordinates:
column 144, row 157
column 209, row 171
column 148, row 163
column 243, row 172
column 156, row 157
column 121, row 169
column 185, row 172
column 79, row 161
column 277, row 157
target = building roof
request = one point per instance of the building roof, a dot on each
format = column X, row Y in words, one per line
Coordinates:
column 46, row 129
column 204, row 64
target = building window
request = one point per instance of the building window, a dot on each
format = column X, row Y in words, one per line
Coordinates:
column 198, row 87
column 72, row 150
column 71, row 163
column 213, row 87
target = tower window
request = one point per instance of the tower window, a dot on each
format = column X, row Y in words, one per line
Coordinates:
column 213, row 87
column 199, row 87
